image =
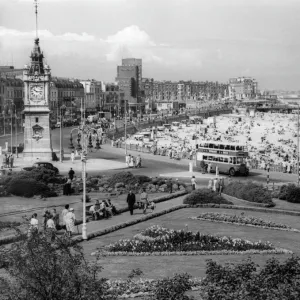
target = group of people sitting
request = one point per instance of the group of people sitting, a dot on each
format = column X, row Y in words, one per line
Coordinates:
column 105, row 209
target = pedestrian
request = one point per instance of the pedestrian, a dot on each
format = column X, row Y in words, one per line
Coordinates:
column 152, row 206
column 113, row 208
column 70, row 222
column 193, row 181
column 216, row 185
column 139, row 161
column 72, row 157
column 131, row 201
column 71, row 174
column 63, row 214
column 46, row 217
column 170, row 186
column 67, row 187
column 7, row 161
column 144, row 201
column 209, row 168
column 55, row 217
column 221, row 185
column 4, row 161
column 210, row 184
column 50, row 228
column 34, row 225
column 11, row 161
column 127, row 160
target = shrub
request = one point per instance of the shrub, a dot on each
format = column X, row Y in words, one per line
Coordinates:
column 26, row 187
column 274, row 281
column 202, row 196
column 49, row 194
column 249, row 191
column 293, row 194
column 142, row 179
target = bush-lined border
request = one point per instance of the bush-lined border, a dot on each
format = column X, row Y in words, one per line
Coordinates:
column 230, row 198
column 193, row 253
column 242, row 224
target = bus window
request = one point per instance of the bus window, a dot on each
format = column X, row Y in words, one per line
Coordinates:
column 210, row 158
column 204, row 157
column 239, row 148
column 234, row 160
column 230, row 160
column 232, row 148
column 216, row 146
column 221, row 146
column 210, row 145
column 227, row 147
column 221, row 159
column 215, row 158
column 225, row 159
column 206, row 145
column 240, row 160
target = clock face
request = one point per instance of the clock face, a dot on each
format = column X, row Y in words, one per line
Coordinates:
column 36, row 93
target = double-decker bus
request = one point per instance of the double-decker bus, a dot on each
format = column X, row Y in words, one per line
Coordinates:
column 230, row 158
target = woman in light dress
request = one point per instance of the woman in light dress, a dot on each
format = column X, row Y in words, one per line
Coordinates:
column 70, row 222
column 132, row 162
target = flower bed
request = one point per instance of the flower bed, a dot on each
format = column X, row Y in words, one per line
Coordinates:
column 157, row 240
column 242, row 220
column 141, row 287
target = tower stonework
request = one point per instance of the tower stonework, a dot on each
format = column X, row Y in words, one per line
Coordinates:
column 37, row 133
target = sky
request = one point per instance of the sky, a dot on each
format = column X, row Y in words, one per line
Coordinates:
column 196, row 40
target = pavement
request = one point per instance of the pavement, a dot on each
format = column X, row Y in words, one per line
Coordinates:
column 93, row 164
column 187, row 174
column 124, row 217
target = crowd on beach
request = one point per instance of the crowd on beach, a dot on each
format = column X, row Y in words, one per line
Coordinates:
column 269, row 138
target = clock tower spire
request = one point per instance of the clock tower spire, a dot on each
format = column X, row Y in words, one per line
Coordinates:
column 36, row 77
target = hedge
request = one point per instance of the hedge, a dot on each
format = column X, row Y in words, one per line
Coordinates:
column 202, row 196
column 290, row 193
column 249, row 191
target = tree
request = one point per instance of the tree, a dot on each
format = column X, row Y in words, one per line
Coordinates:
column 41, row 269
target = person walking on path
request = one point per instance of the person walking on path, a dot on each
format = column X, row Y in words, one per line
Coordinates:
column 72, row 157
column 138, row 161
column 131, row 201
column 55, row 217
column 144, row 201
column 71, row 174
column 34, row 225
column 63, row 214
column 221, row 185
column 70, row 222
column 4, row 161
column 11, row 161
column 209, row 168
column 210, row 184
column 170, row 186
column 194, row 183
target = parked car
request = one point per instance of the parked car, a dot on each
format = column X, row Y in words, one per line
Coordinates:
column 41, row 164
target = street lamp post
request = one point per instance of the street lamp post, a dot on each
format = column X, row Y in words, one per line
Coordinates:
column 298, row 175
column 62, row 111
column 125, row 127
column 84, row 132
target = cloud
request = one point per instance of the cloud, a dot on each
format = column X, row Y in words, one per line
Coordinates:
column 130, row 41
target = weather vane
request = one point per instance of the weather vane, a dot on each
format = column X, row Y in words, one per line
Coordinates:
column 36, row 4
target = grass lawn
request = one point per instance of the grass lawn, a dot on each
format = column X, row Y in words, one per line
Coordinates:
column 157, row 267
column 282, row 204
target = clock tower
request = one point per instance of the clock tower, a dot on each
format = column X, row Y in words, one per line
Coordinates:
column 37, row 134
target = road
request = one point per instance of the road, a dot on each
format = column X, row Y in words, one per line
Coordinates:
column 152, row 165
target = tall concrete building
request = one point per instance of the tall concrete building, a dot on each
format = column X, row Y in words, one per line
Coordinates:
column 243, row 88
column 137, row 62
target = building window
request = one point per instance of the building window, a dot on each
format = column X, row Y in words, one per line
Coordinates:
column 36, row 120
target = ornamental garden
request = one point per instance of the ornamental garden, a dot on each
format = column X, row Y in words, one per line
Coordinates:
column 207, row 247
column 211, row 239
